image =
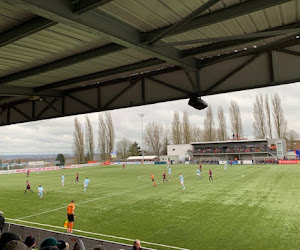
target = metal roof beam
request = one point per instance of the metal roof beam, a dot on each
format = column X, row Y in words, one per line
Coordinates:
column 219, row 16
column 103, row 25
column 279, row 44
column 262, row 34
column 25, row 29
column 171, row 29
column 101, row 51
column 122, row 69
column 6, row 90
column 81, row 6
column 226, row 44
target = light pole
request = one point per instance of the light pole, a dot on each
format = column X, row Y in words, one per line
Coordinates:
column 142, row 115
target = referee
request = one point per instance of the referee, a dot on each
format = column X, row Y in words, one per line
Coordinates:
column 70, row 216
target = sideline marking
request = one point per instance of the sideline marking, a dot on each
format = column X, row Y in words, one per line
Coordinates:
column 98, row 234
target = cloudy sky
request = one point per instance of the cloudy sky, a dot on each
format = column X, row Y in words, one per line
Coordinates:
column 56, row 135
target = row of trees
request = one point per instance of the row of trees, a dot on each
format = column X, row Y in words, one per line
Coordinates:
column 269, row 122
column 83, row 142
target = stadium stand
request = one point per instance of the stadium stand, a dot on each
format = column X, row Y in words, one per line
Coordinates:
column 41, row 234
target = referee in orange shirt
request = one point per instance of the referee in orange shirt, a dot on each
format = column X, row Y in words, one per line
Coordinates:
column 70, row 216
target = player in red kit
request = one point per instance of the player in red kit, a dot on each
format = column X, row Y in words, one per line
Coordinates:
column 200, row 167
column 210, row 175
column 77, row 178
column 164, row 177
column 123, row 166
column 28, row 187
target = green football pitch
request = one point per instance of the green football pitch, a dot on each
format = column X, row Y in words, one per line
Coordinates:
column 248, row 207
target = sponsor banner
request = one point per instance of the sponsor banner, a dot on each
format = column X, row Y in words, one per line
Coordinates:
column 34, row 163
column 288, row 161
column 247, row 161
column 222, row 162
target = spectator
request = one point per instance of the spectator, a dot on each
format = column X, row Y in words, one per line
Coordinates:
column 99, row 247
column 137, row 245
column 15, row 244
column 50, row 242
column 2, row 222
column 7, row 237
column 64, row 245
column 79, row 245
column 30, row 242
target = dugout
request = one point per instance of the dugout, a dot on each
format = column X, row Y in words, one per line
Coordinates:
column 243, row 149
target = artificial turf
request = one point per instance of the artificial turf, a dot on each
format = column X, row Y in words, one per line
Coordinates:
column 247, row 207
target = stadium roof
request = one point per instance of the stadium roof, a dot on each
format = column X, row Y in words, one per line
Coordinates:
column 64, row 57
column 229, row 141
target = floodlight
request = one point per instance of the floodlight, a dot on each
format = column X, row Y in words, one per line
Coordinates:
column 197, row 103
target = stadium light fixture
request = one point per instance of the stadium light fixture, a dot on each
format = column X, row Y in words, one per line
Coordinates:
column 197, row 103
column 142, row 115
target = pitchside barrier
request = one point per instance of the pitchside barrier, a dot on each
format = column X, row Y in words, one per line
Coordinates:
column 24, row 170
column 40, row 234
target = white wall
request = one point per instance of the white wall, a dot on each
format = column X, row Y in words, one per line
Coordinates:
column 180, row 150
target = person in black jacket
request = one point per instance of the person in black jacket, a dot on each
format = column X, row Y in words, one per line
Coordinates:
column 2, row 221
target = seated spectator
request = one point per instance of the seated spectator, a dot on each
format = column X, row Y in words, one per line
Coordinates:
column 30, row 242
column 50, row 242
column 136, row 245
column 99, row 247
column 7, row 237
column 15, row 244
column 64, row 245
column 79, row 245
column 2, row 222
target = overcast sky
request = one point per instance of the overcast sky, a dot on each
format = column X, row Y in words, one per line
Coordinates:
column 56, row 135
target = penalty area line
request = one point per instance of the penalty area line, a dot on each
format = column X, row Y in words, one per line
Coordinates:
column 98, row 234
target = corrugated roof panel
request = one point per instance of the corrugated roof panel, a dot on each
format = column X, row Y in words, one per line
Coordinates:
column 254, row 22
column 11, row 16
column 87, row 67
column 78, row 34
column 47, row 46
column 148, row 15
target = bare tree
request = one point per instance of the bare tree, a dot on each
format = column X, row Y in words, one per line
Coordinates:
column 123, row 147
column 268, row 116
column 186, row 128
column 209, row 133
column 78, row 142
column 176, row 129
column 110, row 136
column 222, row 129
column 166, row 141
column 259, row 124
column 196, row 134
column 292, row 137
column 89, row 139
column 235, row 118
column 102, row 138
column 280, row 123
column 154, row 137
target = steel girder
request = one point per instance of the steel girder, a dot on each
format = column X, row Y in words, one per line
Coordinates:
column 218, row 16
column 104, row 26
column 271, row 66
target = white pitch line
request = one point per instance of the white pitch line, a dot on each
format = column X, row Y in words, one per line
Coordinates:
column 96, row 199
column 98, row 234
